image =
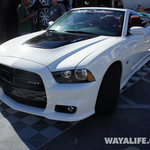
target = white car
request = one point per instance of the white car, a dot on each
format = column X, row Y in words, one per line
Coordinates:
column 77, row 66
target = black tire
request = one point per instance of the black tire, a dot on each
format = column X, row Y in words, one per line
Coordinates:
column 108, row 95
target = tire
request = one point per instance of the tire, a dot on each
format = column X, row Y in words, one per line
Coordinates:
column 44, row 16
column 44, row 2
column 108, row 95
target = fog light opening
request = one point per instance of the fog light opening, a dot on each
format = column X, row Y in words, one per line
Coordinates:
column 65, row 109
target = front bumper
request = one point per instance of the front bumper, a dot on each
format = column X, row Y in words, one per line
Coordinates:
column 83, row 96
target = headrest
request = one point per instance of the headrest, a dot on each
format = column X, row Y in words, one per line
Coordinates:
column 109, row 20
column 136, row 20
column 109, row 17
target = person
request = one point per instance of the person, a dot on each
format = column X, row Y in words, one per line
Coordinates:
column 118, row 4
column 24, row 17
column 33, row 20
column 70, row 3
column 56, row 10
column 139, row 7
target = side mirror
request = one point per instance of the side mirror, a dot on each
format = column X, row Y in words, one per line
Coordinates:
column 137, row 30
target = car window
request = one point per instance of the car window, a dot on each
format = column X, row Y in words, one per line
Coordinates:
column 98, row 22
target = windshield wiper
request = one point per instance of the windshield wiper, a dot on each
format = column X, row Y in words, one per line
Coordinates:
column 57, row 31
column 80, row 32
column 53, row 30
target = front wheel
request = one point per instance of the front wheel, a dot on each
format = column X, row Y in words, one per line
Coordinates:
column 108, row 95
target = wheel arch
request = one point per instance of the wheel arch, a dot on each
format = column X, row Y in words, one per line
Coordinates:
column 108, row 83
column 120, row 66
column 115, row 62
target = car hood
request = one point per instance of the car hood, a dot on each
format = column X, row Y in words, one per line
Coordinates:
column 57, row 52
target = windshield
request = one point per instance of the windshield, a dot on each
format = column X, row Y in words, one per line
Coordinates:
column 91, row 21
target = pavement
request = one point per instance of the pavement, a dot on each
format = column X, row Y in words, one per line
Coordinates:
column 131, row 120
column 21, row 131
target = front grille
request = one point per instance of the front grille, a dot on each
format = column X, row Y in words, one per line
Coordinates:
column 23, row 86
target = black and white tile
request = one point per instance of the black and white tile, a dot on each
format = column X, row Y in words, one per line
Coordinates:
column 21, row 131
column 137, row 76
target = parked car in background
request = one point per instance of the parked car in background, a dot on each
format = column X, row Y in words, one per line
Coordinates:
column 145, row 14
column 147, row 10
column 77, row 66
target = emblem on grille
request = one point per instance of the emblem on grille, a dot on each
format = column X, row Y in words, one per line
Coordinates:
column 34, row 82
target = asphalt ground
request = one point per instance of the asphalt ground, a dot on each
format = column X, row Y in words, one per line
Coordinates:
column 131, row 120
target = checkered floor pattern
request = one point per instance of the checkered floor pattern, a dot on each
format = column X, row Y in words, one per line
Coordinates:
column 21, row 131
column 138, row 75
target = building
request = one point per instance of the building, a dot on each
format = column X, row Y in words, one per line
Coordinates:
column 93, row 3
column 133, row 4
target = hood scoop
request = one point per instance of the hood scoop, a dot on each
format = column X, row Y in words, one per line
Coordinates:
column 55, row 39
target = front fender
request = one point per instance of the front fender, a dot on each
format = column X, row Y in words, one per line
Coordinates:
column 98, row 62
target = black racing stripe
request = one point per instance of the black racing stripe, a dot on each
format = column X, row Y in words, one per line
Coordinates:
column 53, row 39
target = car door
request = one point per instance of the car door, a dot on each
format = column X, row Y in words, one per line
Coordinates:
column 141, row 48
column 142, row 41
column 135, row 49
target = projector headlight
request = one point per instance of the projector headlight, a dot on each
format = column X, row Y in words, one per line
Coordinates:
column 73, row 76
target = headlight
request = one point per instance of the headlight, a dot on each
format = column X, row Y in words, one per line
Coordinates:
column 73, row 76
column 66, row 74
column 81, row 74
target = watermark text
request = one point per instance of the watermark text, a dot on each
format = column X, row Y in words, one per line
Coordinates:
column 126, row 140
